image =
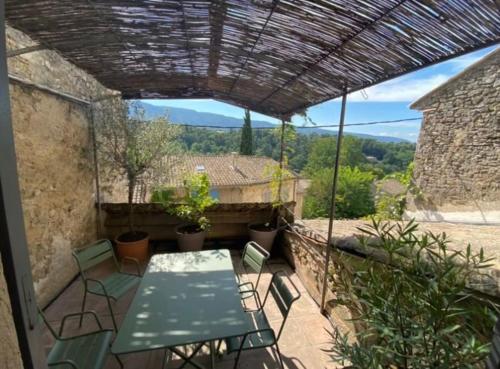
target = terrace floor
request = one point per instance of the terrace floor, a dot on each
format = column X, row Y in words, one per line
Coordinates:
column 302, row 343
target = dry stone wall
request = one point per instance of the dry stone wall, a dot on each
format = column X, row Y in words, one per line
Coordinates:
column 54, row 154
column 457, row 162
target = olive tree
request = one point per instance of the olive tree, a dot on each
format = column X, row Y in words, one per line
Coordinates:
column 131, row 145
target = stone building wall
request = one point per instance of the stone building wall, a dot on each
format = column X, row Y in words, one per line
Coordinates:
column 457, row 161
column 54, row 154
column 10, row 357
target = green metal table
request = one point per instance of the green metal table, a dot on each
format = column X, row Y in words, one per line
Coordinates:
column 183, row 298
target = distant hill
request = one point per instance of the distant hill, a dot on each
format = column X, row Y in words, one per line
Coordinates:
column 196, row 118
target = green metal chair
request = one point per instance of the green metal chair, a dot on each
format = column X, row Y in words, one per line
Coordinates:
column 262, row 335
column 85, row 351
column 113, row 286
column 253, row 257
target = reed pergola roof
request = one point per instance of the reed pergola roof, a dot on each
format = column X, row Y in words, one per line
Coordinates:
column 274, row 57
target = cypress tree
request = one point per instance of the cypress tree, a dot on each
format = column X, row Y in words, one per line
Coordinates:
column 246, row 146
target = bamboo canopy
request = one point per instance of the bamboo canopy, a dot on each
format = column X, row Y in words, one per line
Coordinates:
column 276, row 57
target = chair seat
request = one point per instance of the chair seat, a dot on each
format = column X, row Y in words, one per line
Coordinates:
column 87, row 352
column 116, row 285
column 262, row 339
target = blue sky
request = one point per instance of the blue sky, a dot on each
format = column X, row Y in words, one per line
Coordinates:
column 386, row 101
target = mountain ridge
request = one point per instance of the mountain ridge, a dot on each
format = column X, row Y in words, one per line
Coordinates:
column 197, row 118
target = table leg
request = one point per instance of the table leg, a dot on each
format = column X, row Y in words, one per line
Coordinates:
column 188, row 359
column 166, row 358
column 212, row 354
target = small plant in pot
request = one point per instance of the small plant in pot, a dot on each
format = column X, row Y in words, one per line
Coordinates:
column 191, row 235
column 264, row 233
column 130, row 146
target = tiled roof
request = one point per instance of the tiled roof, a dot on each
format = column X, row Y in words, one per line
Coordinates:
column 222, row 170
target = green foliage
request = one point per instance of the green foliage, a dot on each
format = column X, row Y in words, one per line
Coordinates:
column 392, row 207
column 131, row 145
column 277, row 175
column 163, row 195
column 392, row 157
column 388, row 207
column 313, row 156
column 289, row 138
column 354, row 194
column 404, row 177
column 196, row 200
column 246, row 146
column 300, row 147
column 323, row 153
column 415, row 311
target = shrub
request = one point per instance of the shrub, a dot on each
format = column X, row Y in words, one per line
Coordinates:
column 354, row 194
column 196, row 200
column 416, row 311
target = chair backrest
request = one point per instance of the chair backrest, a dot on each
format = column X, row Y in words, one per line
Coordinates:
column 254, row 257
column 282, row 295
column 493, row 360
column 89, row 256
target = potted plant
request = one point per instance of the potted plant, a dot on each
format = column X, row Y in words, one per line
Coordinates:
column 264, row 233
column 130, row 146
column 191, row 235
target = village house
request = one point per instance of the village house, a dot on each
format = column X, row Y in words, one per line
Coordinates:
column 235, row 179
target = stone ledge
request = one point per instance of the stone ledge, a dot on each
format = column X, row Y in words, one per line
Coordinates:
column 345, row 234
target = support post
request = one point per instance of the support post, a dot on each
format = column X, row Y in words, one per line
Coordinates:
column 282, row 155
column 281, row 165
column 13, row 243
column 332, row 204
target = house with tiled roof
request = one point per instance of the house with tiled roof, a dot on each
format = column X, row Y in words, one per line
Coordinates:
column 234, row 178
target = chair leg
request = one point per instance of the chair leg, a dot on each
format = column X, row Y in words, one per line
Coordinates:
column 83, row 307
column 237, row 359
column 279, row 356
column 112, row 314
column 256, row 301
column 119, row 360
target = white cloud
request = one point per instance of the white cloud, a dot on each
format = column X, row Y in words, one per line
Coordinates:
column 462, row 62
column 400, row 89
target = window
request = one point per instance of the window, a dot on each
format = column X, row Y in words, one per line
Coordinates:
column 215, row 194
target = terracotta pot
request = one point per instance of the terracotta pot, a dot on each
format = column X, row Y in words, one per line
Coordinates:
column 190, row 241
column 265, row 239
column 134, row 249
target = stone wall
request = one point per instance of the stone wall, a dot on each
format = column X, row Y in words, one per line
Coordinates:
column 305, row 252
column 457, row 160
column 304, row 247
column 460, row 236
column 228, row 221
column 54, row 154
column 10, row 357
